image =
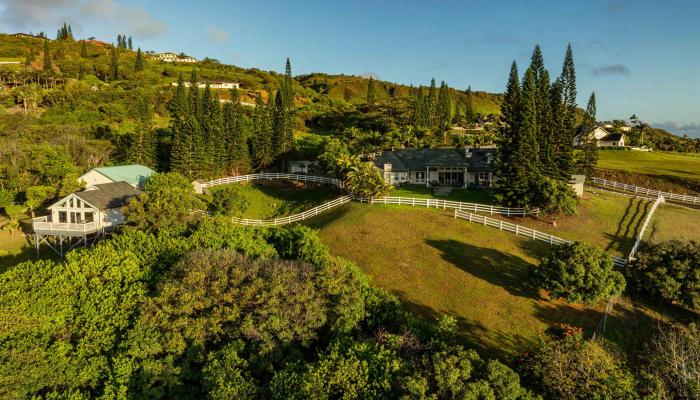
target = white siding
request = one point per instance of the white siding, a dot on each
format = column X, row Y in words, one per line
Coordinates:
column 93, row 178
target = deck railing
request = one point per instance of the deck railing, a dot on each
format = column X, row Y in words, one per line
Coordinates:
column 681, row 198
column 42, row 224
column 523, row 231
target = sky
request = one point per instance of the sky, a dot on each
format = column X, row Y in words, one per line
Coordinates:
column 640, row 57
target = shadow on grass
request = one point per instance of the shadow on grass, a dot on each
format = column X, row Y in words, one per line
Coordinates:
column 622, row 241
column 27, row 253
column 493, row 266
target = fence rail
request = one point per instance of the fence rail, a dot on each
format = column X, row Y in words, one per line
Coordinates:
column 681, row 198
column 448, row 204
column 644, row 227
column 291, row 177
column 290, row 219
column 523, row 231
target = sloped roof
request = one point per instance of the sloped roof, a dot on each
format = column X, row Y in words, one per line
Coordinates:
column 404, row 160
column 108, row 195
column 134, row 174
column 612, row 137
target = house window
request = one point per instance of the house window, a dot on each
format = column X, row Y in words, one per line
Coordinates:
column 62, row 217
column 420, row 177
column 89, row 217
column 484, row 179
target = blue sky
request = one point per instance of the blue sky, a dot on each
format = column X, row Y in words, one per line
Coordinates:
column 639, row 57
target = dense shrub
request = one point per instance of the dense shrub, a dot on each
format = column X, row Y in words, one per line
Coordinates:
column 565, row 366
column 229, row 200
column 579, row 272
column 669, row 271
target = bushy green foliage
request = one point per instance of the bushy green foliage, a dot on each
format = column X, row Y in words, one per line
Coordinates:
column 565, row 366
column 555, row 198
column 669, row 271
column 579, row 272
column 215, row 312
column 229, row 200
column 168, row 202
column 364, row 180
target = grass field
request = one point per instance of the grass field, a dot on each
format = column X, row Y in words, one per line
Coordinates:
column 270, row 199
column 673, row 222
column 439, row 265
column 651, row 163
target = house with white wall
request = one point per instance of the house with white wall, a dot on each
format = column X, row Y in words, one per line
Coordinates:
column 95, row 209
column 133, row 174
column 212, row 85
column 468, row 167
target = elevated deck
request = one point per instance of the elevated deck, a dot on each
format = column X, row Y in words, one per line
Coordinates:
column 44, row 226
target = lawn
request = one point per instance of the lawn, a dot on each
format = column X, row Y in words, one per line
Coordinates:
column 440, row 265
column 651, row 163
column 278, row 198
column 607, row 220
column 673, row 222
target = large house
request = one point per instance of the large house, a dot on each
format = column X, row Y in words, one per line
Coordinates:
column 468, row 167
column 213, row 85
column 602, row 138
column 133, row 174
column 172, row 57
column 92, row 210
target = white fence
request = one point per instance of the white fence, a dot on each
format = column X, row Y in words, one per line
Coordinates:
column 448, row 204
column 523, row 231
column 644, row 227
column 292, row 218
column 681, row 198
column 291, row 177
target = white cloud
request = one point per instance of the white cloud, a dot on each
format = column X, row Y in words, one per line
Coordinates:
column 218, row 35
column 38, row 14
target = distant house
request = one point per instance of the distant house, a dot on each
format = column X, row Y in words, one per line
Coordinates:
column 92, row 210
column 30, row 35
column 134, row 174
column 438, row 167
column 172, row 57
column 612, row 140
column 602, row 138
column 213, row 85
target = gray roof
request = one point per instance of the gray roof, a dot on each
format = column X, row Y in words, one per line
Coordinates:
column 404, row 160
column 108, row 195
column 612, row 137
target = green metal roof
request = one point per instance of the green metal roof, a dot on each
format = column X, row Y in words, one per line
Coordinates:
column 133, row 174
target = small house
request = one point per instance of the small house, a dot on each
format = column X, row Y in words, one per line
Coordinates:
column 438, row 167
column 133, row 174
column 612, row 140
column 94, row 209
column 596, row 134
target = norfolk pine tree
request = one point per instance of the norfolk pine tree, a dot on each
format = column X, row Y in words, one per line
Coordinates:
column 568, row 129
column 138, row 64
column 370, row 91
column 114, row 64
column 47, row 57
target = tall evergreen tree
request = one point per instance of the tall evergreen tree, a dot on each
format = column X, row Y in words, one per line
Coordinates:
column 131, row 44
column 180, row 141
column 48, row 66
column 545, row 127
column 262, row 139
column 237, row 151
column 114, row 64
column 469, row 115
column 589, row 151
column 83, row 49
column 143, row 145
column 591, row 110
column 432, row 103
column 194, row 105
column 138, row 64
column 444, row 108
column 288, row 86
column 510, row 109
column 568, row 82
column 370, row 91
column 280, row 127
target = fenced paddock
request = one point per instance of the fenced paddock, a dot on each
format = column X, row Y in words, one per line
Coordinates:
column 522, row 231
column 272, row 176
column 448, row 204
column 680, row 198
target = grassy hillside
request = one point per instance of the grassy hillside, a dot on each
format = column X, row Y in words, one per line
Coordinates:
column 667, row 171
column 353, row 89
column 440, row 265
